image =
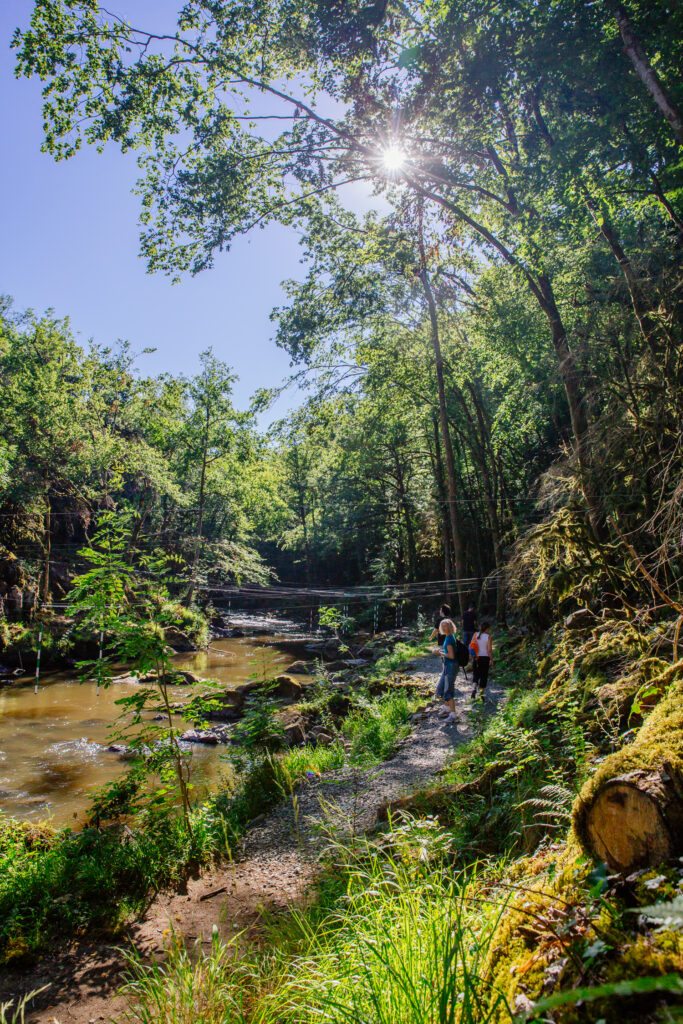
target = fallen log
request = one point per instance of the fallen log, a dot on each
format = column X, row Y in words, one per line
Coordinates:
column 630, row 813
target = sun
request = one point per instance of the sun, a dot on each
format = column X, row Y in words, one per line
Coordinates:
column 393, row 158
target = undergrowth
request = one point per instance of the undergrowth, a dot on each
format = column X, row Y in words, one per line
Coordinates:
column 396, row 937
column 401, row 934
column 54, row 884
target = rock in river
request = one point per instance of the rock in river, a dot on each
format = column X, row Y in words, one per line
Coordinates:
column 303, row 668
column 210, row 737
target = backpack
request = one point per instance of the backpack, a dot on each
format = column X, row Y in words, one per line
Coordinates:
column 462, row 655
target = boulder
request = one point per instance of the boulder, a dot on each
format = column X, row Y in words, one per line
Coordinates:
column 209, row 737
column 293, row 725
column 335, row 666
column 321, row 737
column 232, row 706
column 583, row 618
column 178, row 677
column 287, row 686
column 178, row 640
column 302, row 668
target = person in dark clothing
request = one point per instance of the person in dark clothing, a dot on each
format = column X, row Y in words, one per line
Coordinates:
column 469, row 625
column 444, row 612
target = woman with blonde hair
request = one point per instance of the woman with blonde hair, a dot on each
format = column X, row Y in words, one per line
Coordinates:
column 446, row 685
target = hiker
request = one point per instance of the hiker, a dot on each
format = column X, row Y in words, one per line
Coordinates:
column 469, row 625
column 446, row 686
column 482, row 647
column 444, row 612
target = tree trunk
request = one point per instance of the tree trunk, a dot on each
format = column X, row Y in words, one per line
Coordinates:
column 636, row 820
column 407, row 516
column 542, row 291
column 47, row 553
column 647, row 74
column 648, row 327
column 575, row 400
column 301, row 507
column 451, row 480
column 488, row 473
column 443, row 506
column 200, row 517
column 630, row 813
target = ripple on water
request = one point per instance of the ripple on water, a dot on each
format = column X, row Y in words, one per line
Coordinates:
column 83, row 749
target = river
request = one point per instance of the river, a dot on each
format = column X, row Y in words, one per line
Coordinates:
column 53, row 744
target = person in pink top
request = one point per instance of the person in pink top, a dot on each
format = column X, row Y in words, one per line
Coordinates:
column 482, row 645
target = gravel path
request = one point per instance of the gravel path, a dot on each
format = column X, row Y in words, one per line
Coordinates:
column 347, row 801
column 280, row 854
column 276, row 868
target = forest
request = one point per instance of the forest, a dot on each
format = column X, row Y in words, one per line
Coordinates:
column 490, row 351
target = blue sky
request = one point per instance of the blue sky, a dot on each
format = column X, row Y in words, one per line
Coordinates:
column 71, row 243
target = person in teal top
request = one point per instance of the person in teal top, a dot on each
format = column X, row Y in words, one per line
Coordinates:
column 446, row 685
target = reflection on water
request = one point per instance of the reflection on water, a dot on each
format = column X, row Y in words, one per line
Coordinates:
column 53, row 744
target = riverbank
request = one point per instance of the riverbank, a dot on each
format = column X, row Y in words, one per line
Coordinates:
column 101, row 876
column 57, row 745
column 475, row 899
column 276, row 865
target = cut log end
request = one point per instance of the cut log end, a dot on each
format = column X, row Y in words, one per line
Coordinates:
column 634, row 821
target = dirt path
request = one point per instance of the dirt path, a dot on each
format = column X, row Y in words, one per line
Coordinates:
column 276, row 868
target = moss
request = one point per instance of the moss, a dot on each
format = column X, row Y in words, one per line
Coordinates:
column 656, row 885
column 541, row 921
column 653, row 954
column 659, row 742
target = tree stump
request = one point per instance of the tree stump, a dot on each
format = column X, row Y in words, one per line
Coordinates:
column 630, row 813
column 635, row 820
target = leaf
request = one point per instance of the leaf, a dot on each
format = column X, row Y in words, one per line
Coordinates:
column 409, row 56
column 597, row 879
column 631, row 987
column 668, row 915
column 595, row 949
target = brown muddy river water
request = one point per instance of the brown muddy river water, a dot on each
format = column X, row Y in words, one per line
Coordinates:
column 53, row 744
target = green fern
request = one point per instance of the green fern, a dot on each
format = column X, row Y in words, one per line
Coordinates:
column 554, row 802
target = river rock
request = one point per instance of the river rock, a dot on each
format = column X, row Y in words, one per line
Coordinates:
column 178, row 640
column 293, row 725
column 122, row 750
column 303, row 668
column 178, row 677
column 328, row 647
column 209, row 737
column 231, row 706
column 287, row 686
column 321, row 737
column 335, row 666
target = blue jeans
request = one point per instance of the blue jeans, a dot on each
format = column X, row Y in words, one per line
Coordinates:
column 445, row 688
